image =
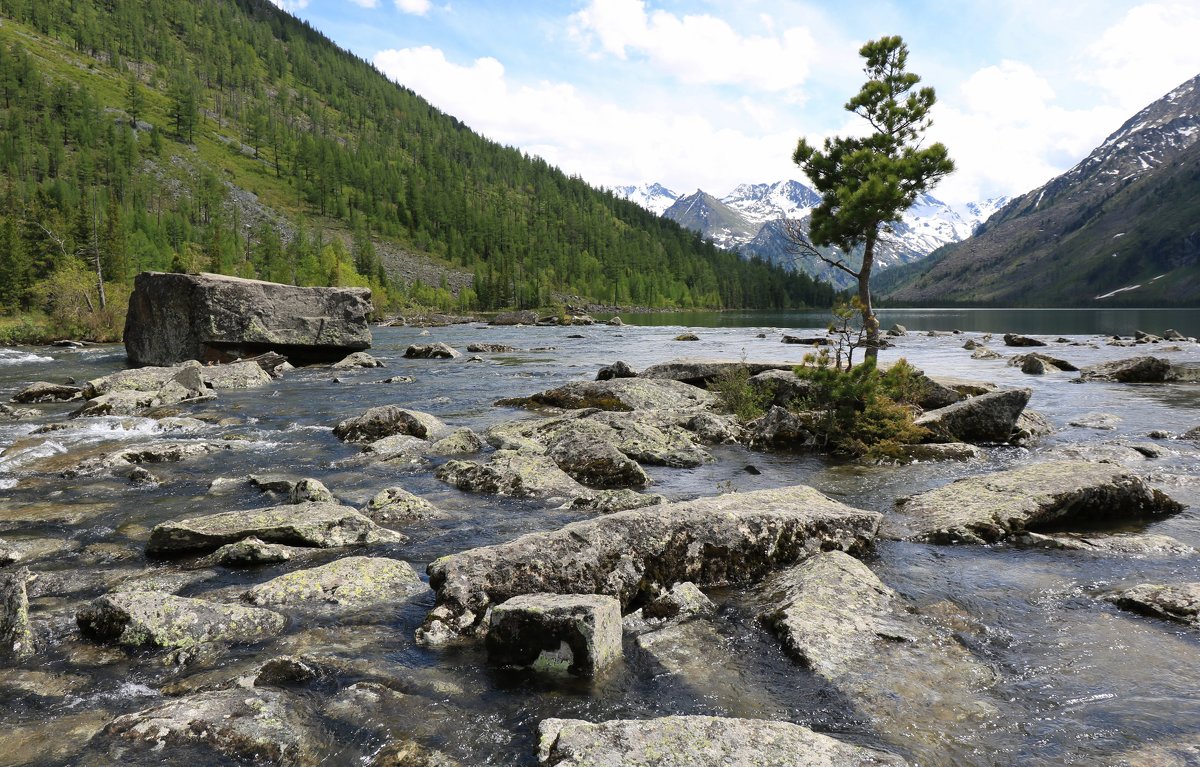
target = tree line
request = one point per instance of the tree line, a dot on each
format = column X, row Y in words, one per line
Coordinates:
column 229, row 137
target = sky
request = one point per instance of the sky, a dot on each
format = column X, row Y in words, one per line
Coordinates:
column 709, row 95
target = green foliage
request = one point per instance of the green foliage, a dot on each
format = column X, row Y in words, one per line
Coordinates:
column 242, row 97
column 737, row 396
column 861, row 411
column 867, row 182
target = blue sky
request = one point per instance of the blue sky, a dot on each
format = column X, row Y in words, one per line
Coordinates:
column 708, row 95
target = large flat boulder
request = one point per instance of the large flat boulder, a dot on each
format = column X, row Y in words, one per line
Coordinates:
column 213, row 318
column 619, row 394
column 697, row 741
column 731, row 538
column 317, row 525
column 837, row 619
column 160, row 620
column 346, row 582
column 260, row 726
column 702, row 372
column 989, row 508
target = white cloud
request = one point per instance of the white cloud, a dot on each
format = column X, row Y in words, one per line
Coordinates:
column 1148, row 52
column 414, row 7
column 603, row 142
column 291, row 6
column 1007, row 135
column 366, row 3
column 697, row 48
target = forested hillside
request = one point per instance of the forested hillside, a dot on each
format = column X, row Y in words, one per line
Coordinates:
column 226, row 136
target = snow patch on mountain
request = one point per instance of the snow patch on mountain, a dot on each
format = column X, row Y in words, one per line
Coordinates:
column 655, row 198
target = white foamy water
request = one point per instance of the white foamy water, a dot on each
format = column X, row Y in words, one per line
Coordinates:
column 10, row 356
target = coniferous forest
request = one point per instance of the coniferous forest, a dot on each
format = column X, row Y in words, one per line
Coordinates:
column 226, row 136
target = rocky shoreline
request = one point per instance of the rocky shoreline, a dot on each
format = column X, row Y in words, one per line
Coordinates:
column 209, row 604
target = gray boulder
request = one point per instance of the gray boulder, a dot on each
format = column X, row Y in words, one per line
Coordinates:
column 346, row 582
column 595, row 462
column 399, row 448
column 1178, row 602
column 387, row 420
column 609, row 501
column 616, row 370
column 619, row 394
column 209, row 317
column 1131, row 370
column 989, row 508
column 987, row 418
column 236, row 375
column 512, row 473
column 123, row 460
column 9, row 413
column 16, row 634
column 702, row 372
column 984, row 353
column 732, row 538
column 458, row 442
column 44, row 391
column 1129, row 545
column 1012, row 339
column 1046, row 362
column 261, row 726
column 159, row 620
column 309, row 490
column 780, row 428
column 436, row 351
column 697, row 741
column 780, row 387
column 577, row 634
column 837, row 619
column 356, row 360
column 318, row 525
column 490, row 348
column 251, row 552
column 397, row 506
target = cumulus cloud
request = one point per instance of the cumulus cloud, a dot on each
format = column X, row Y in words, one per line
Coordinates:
column 414, row 7
column 1149, row 51
column 696, row 48
column 291, row 6
column 599, row 140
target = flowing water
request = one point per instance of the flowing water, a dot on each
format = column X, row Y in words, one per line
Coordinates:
column 1077, row 680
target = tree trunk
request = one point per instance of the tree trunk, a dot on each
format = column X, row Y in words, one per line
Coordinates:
column 869, row 320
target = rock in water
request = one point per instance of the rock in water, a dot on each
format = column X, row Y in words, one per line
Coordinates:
column 1178, row 602
column 990, row 507
column 156, row 619
column 732, row 538
column 578, row 634
column 988, row 418
column 348, row 582
column 16, row 636
column 836, row 618
column 213, row 318
column 697, row 741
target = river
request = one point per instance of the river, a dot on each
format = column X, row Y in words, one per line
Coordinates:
column 1078, row 680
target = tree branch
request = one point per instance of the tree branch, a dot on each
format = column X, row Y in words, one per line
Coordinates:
column 803, row 247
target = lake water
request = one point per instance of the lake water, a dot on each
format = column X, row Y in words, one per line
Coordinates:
column 1123, row 322
column 1077, row 681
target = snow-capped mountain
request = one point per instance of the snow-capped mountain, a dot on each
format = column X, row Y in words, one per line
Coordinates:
column 1117, row 228
column 655, row 198
column 751, row 217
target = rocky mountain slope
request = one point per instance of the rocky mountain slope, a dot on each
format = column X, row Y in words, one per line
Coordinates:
column 1121, row 227
column 751, row 219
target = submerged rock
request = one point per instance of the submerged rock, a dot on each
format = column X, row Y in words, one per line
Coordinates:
column 490, row 348
column 209, row 317
column 319, row 525
column 990, row 507
column 259, row 725
column 733, row 538
column 1047, row 362
column 697, row 741
column 347, row 582
column 1177, row 602
column 578, row 634
column 160, row 620
column 1118, row 544
column 155, row 452
column 618, row 369
column 987, row 418
column 836, row 618
column 236, row 375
